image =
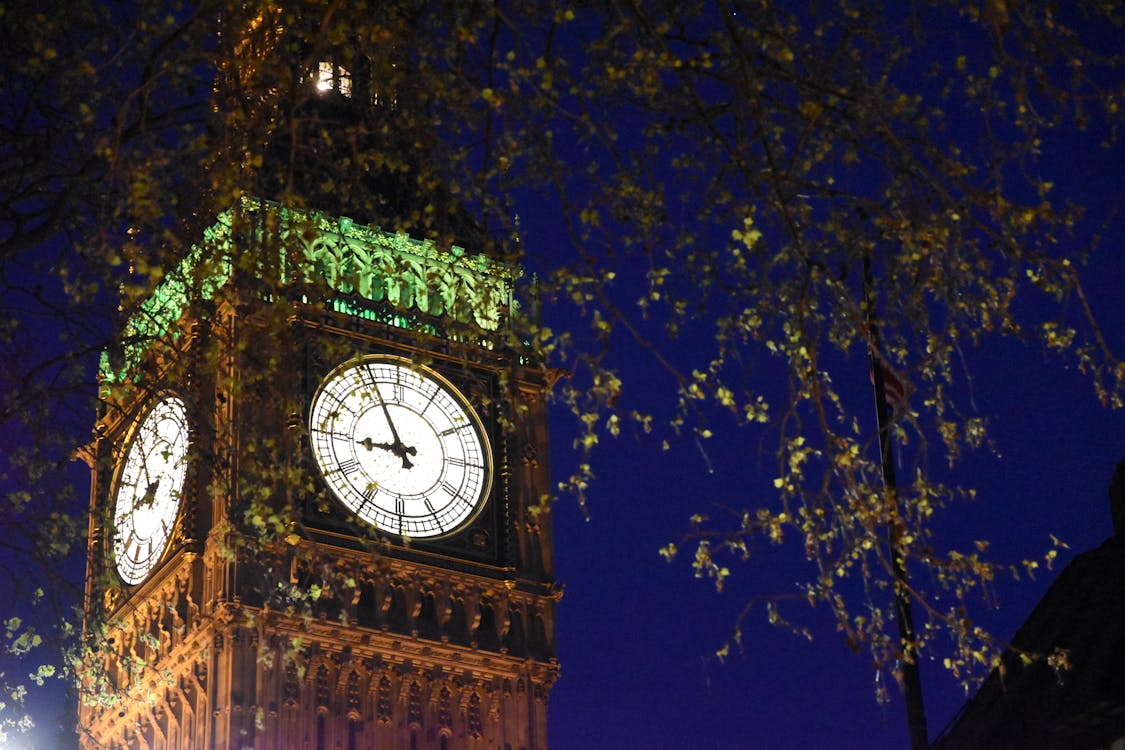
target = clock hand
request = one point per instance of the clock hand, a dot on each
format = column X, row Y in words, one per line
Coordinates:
column 398, row 448
column 395, row 448
column 368, row 443
column 150, row 494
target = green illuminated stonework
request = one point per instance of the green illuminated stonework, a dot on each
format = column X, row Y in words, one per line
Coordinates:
column 355, row 269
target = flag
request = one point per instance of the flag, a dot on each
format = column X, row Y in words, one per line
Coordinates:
column 894, row 388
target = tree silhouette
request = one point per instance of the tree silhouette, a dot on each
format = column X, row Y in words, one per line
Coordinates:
column 724, row 172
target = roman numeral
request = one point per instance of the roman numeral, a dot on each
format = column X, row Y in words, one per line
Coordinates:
column 135, row 553
column 434, row 514
column 433, row 394
column 347, row 467
column 330, row 433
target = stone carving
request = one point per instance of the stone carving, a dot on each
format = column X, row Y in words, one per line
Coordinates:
column 414, row 706
column 323, row 693
column 445, row 709
column 292, row 688
column 475, row 725
column 384, row 706
column 353, row 695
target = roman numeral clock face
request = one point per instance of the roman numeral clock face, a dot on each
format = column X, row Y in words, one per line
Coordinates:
column 149, row 487
column 400, row 447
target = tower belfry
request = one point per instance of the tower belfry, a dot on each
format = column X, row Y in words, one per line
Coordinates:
column 317, row 515
column 342, row 119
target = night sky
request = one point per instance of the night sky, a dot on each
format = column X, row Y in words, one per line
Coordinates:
column 637, row 635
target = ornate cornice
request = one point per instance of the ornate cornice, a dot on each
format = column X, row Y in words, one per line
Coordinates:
column 307, row 250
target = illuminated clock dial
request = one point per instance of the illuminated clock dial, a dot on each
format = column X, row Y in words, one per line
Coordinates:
column 149, row 488
column 400, row 447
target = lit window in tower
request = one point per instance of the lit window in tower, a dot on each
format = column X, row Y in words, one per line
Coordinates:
column 333, row 77
column 343, row 81
column 324, row 76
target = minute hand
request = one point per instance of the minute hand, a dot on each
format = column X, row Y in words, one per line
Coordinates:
column 398, row 448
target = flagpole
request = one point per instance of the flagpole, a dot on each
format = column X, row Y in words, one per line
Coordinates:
column 911, row 675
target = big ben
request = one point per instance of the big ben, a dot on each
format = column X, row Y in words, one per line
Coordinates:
column 318, row 515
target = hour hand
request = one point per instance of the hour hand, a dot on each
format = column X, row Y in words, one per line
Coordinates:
column 149, row 497
column 369, row 444
column 396, row 448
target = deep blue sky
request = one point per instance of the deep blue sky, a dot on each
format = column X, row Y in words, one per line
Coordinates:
column 636, row 634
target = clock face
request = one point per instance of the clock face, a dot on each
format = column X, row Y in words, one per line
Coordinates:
column 149, row 488
column 400, row 447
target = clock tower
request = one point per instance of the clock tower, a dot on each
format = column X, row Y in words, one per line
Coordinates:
column 318, row 514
